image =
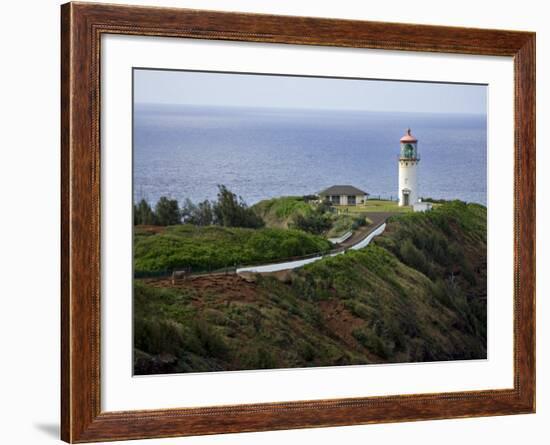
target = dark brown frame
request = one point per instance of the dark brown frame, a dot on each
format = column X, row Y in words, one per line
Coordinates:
column 82, row 25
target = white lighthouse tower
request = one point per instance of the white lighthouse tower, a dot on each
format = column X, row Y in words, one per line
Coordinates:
column 408, row 164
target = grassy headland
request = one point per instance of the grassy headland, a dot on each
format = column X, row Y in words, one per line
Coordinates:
column 279, row 212
column 376, row 205
column 309, row 215
column 213, row 247
column 417, row 293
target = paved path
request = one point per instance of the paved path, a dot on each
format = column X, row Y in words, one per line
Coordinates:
column 360, row 234
column 360, row 239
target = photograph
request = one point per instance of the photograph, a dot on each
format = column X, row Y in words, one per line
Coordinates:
column 283, row 218
column 285, row 221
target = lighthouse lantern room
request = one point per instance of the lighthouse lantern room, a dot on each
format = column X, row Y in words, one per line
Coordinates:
column 408, row 164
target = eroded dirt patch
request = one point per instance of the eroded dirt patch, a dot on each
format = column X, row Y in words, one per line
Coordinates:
column 229, row 287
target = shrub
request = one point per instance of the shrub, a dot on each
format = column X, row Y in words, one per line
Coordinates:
column 210, row 339
column 306, row 350
column 308, row 198
column 258, row 357
column 371, row 341
column 415, row 258
column 315, row 222
column 359, row 221
column 359, row 309
column 158, row 336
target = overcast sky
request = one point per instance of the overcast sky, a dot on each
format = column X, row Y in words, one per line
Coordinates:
column 249, row 90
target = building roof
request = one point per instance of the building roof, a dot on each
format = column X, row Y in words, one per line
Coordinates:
column 343, row 190
column 408, row 137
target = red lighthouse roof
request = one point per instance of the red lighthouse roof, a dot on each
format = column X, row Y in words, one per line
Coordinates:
column 408, row 137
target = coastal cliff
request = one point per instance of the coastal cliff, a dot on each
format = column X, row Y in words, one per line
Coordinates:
column 416, row 293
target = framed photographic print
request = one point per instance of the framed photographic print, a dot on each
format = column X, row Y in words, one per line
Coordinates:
column 274, row 222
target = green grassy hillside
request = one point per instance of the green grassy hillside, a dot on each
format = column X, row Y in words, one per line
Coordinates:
column 417, row 293
column 279, row 212
column 376, row 205
column 285, row 211
column 213, row 247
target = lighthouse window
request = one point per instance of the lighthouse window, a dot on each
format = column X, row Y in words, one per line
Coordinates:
column 409, row 151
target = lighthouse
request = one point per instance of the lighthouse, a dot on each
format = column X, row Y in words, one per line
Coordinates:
column 408, row 164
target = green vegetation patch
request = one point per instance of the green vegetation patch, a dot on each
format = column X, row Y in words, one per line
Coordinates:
column 215, row 247
column 416, row 293
column 279, row 212
column 307, row 214
column 376, row 205
column 344, row 222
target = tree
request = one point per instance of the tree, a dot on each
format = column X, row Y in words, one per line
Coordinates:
column 232, row 212
column 205, row 214
column 199, row 215
column 167, row 212
column 143, row 214
column 188, row 210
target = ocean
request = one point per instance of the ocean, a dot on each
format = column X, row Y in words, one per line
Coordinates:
column 185, row 151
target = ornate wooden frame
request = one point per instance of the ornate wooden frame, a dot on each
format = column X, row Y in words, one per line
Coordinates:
column 81, row 28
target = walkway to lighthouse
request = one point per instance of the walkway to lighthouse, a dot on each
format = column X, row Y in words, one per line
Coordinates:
column 360, row 239
column 361, row 233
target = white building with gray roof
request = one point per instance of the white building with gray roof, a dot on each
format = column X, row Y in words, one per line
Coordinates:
column 342, row 195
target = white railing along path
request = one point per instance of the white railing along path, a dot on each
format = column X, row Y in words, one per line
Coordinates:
column 276, row 267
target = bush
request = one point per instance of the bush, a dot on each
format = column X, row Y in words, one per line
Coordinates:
column 308, row 198
column 210, row 339
column 258, row 357
column 158, row 336
column 433, row 200
column 371, row 341
column 315, row 222
column 415, row 258
column 359, row 221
